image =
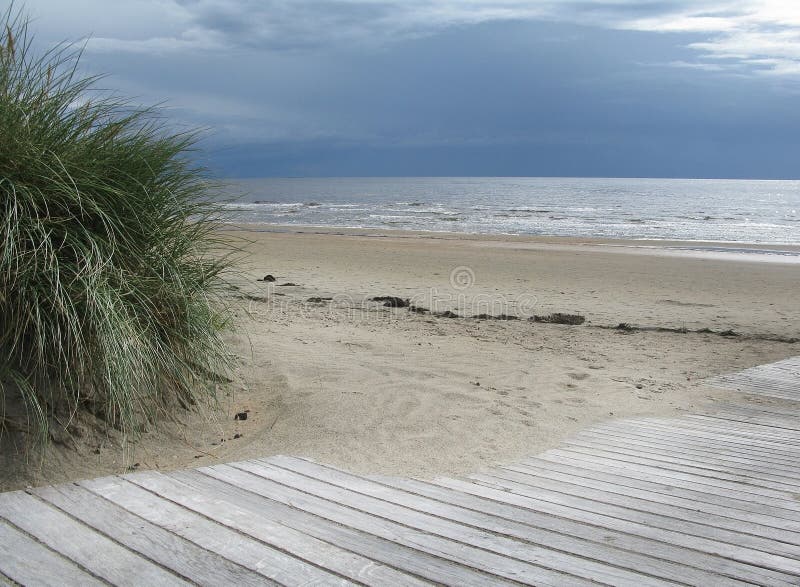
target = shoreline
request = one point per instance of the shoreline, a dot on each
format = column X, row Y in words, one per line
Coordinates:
column 653, row 209
column 722, row 250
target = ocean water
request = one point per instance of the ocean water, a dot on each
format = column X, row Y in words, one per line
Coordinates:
column 742, row 211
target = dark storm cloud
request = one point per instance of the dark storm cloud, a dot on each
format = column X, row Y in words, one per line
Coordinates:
column 356, row 87
column 287, row 25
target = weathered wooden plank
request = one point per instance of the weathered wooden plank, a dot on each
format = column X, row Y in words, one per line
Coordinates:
column 718, row 425
column 693, row 457
column 744, row 430
column 768, row 431
column 763, row 373
column 674, row 443
column 626, row 479
column 777, row 380
column 341, row 528
column 770, row 527
column 272, row 564
column 722, row 425
column 763, row 380
column 757, row 418
column 699, row 452
column 549, row 561
column 757, row 574
column 702, row 482
column 712, row 439
column 788, row 410
column 749, row 481
column 659, row 466
column 73, row 540
column 685, row 426
column 778, row 479
column 404, row 558
column 667, row 478
column 727, row 529
column 743, row 547
column 28, row 562
column 184, row 558
column 760, row 378
column 623, row 560
column 703, row 567
column 767, row 427
column 690, row 442
column 231, row 513
column 720, row 432
column 764, row 376
column 754, row 417
column 409, row 535
column 782, row 497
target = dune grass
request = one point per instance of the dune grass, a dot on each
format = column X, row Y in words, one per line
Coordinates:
column 110, row 270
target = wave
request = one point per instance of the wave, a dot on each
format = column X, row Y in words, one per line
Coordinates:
column 648, row 209
column 259, row 205
column 530, row 210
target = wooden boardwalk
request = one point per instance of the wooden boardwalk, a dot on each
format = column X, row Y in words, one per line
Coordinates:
column 707, row 499
column 773, row 380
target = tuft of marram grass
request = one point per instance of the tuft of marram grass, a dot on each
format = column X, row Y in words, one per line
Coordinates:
column 110, row 270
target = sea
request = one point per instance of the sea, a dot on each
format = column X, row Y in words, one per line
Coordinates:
column 730, row 211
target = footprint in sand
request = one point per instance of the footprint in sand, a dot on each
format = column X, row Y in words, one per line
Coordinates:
column 578, row 376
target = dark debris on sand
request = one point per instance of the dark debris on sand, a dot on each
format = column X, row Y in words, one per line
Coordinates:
column 560, row 318
column 446, row 314
column 494, row 317
column 392, row 301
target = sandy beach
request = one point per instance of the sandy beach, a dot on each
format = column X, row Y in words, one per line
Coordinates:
column 323, row 372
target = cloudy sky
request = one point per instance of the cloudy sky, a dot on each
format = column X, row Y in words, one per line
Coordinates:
column 650, row 88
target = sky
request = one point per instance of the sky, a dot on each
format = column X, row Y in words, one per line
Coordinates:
column 592, row 88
